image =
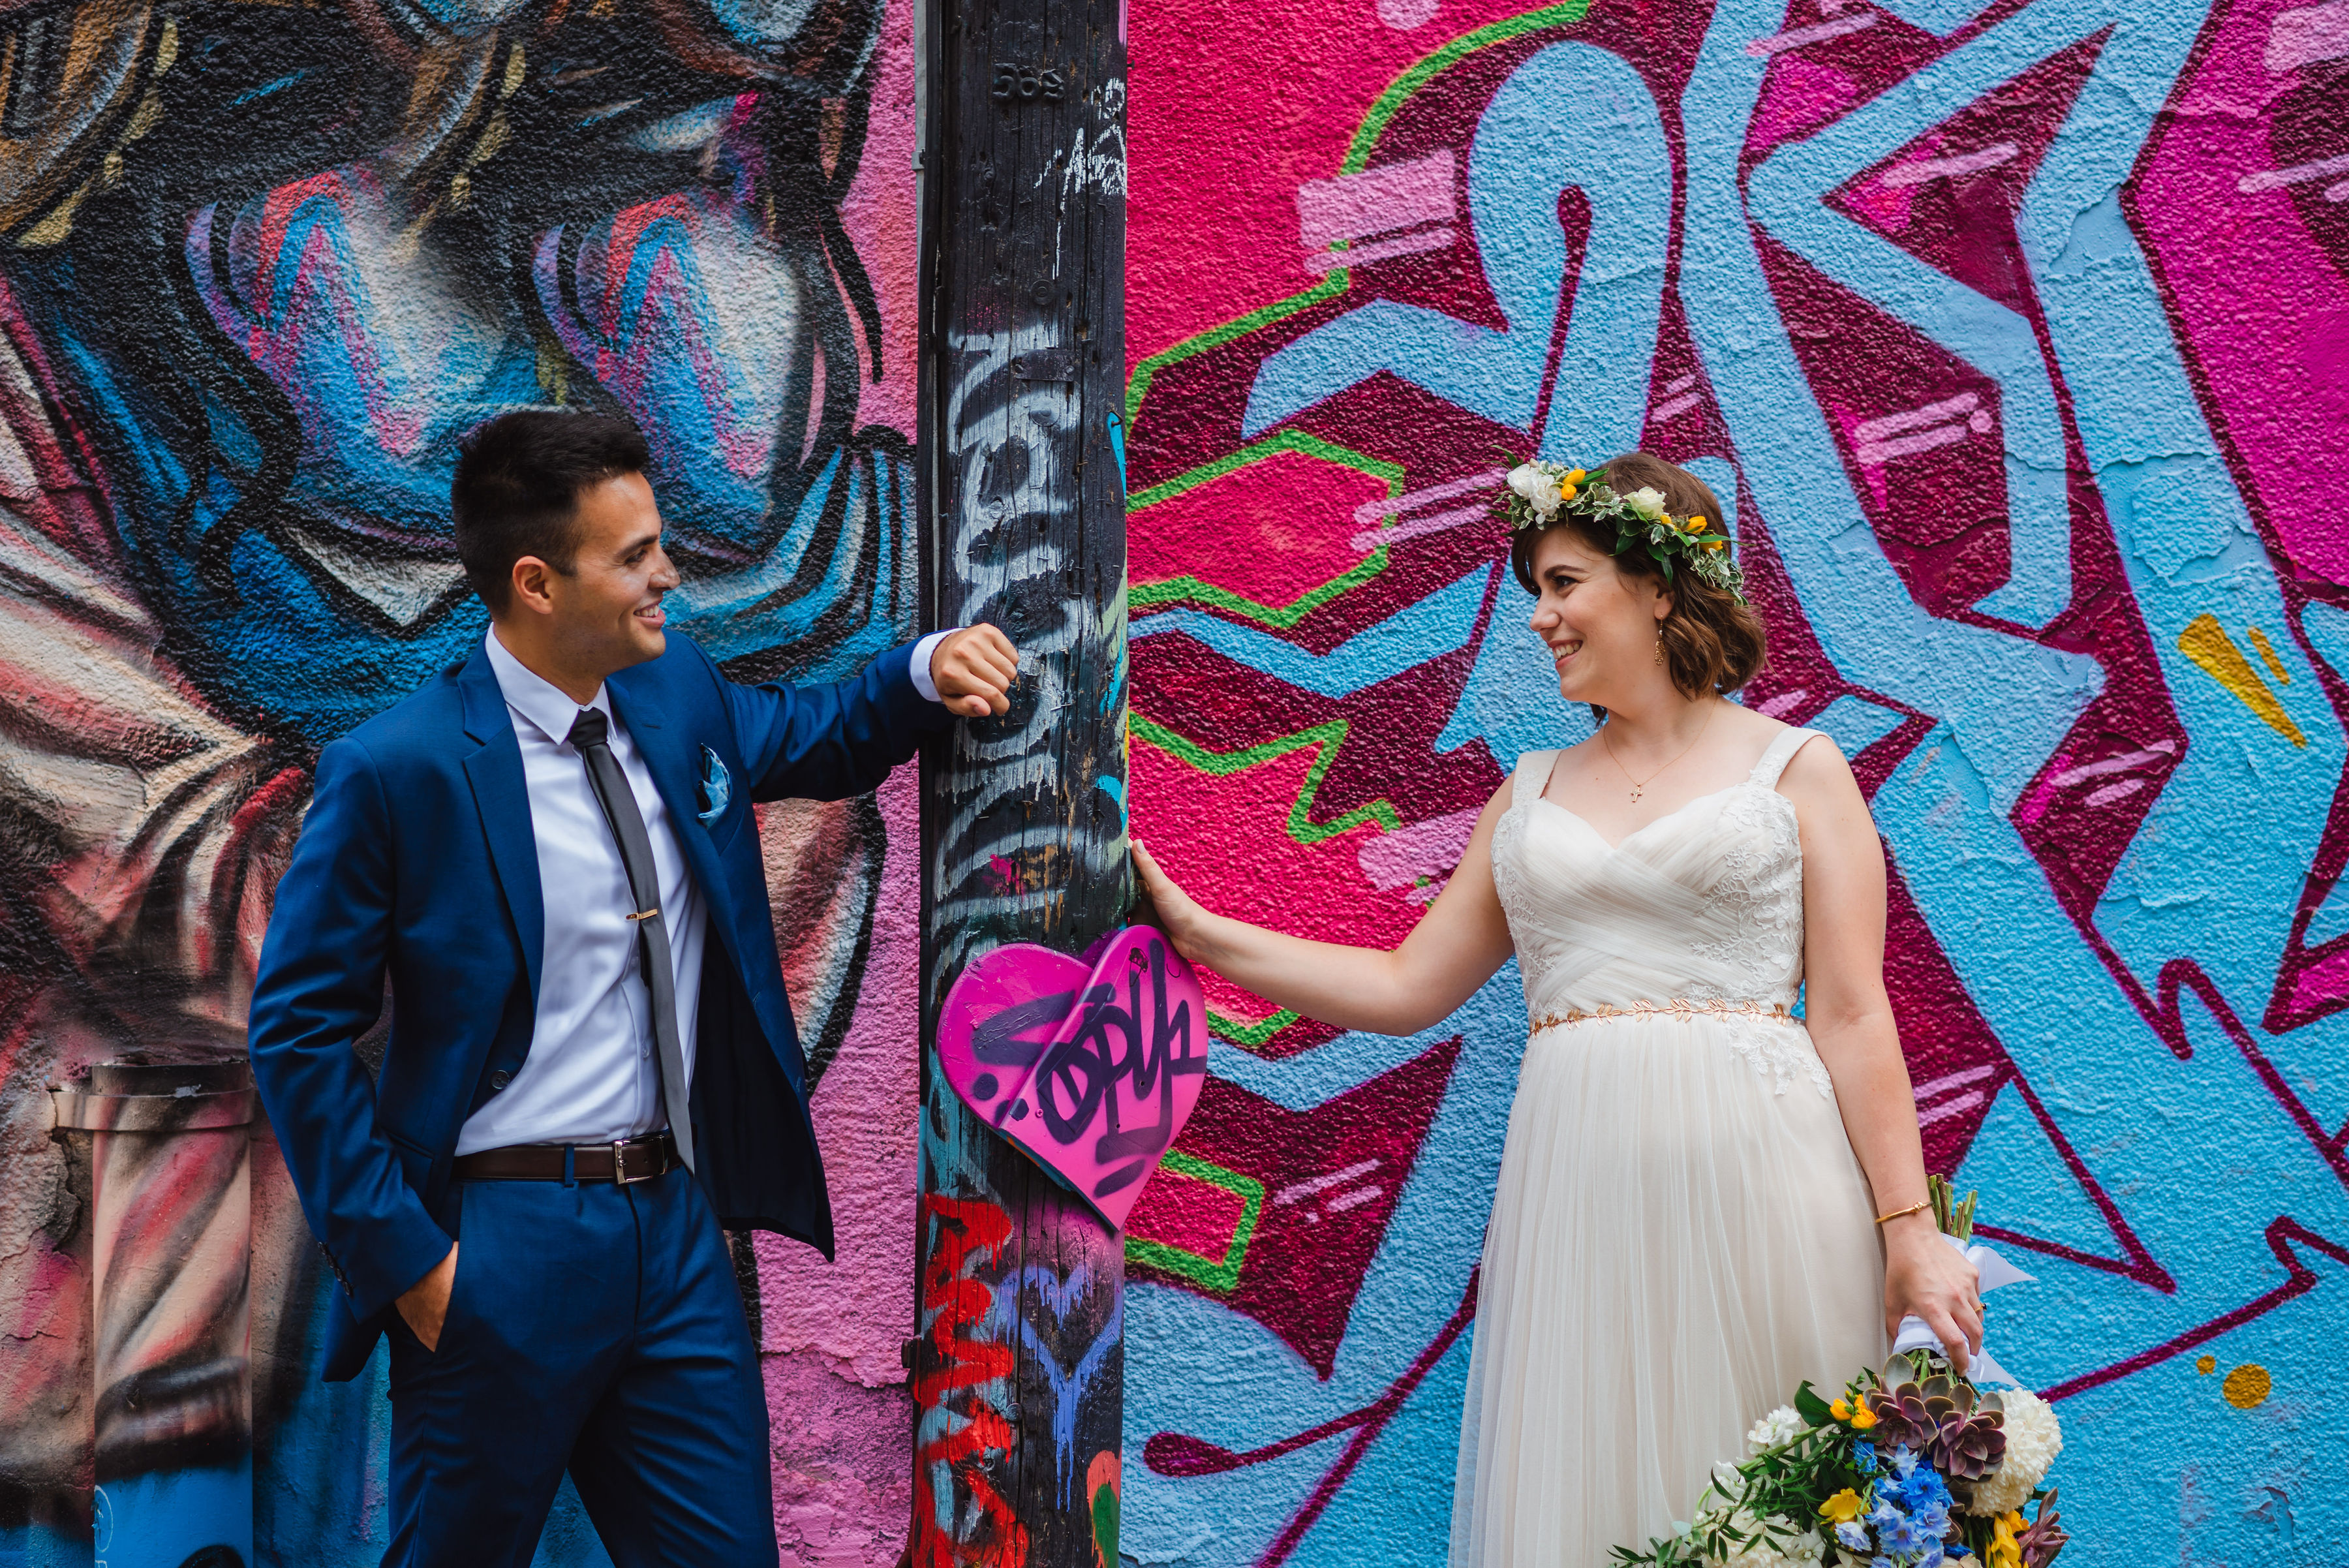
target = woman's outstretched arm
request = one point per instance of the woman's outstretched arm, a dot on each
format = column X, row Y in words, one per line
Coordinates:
column 1850, row 1019
column 1454, row 949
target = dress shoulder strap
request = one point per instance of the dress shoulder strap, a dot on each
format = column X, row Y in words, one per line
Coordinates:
column 1774, row 760
column 1531, row 777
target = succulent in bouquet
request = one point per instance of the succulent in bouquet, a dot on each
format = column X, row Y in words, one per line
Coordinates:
column 1914, row 1465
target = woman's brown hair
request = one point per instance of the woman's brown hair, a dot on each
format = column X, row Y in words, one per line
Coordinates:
column 1711, row 643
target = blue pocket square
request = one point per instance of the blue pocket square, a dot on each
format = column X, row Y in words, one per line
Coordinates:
column 717, row 787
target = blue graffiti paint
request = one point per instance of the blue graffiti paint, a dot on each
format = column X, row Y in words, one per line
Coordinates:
column 1525, row 156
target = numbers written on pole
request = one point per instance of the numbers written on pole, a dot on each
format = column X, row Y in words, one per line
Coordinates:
column 1018, row 84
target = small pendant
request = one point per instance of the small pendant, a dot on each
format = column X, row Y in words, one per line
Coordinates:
column 1635, row 794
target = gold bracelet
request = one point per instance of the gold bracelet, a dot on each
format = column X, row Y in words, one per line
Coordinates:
column 1899, row 1213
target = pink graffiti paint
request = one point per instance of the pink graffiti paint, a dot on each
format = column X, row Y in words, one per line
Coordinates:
column 2240, row 153
column 1270, row 531
column 881, row 216
column 1330, row 1177
column 843, row 1418
column 1200, row 158
column 1091, row 1070
column 1379, row 201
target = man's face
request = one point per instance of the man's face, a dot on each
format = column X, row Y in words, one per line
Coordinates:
column 607, row 610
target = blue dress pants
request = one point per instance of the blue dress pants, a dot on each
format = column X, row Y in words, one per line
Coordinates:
column 597, row 1328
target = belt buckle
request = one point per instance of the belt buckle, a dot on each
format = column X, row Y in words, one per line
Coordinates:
column 620, row 1176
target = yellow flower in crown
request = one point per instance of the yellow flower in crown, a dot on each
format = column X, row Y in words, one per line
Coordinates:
column 1842, row 1508
column 1565, row 491
column 1695, row 524
column 1576, row 475
column 1716, row 544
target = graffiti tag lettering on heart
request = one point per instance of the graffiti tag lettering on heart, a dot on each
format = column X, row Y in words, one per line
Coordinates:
column 1091, row 1069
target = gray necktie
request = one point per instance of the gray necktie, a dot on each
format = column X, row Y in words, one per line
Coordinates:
column 591, row 736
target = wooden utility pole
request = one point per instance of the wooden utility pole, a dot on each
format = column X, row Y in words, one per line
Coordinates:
column 1019, row 1364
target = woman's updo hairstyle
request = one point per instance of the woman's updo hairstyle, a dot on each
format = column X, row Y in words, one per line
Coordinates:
column 1711, row 642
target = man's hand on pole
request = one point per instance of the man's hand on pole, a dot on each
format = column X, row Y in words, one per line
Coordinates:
column 973, row 670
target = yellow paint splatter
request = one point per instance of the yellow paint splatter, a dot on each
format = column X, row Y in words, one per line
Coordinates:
column 2246, row 1385
column 2206, row 1364
column 2206, row 643
column 2267, row 652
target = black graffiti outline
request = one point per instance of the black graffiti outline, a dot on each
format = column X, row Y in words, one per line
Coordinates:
column 1088, row 1064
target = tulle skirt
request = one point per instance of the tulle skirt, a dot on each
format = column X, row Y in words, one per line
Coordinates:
column 1676, row 1243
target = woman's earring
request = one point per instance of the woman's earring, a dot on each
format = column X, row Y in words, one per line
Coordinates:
column 1659, row 644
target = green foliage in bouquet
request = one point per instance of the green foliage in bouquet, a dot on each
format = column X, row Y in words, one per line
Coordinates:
column 1913, row 1465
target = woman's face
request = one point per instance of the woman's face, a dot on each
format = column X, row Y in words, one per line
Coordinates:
column 1598, row 623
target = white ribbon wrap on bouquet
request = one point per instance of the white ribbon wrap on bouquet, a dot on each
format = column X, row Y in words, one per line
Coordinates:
column 1990, row 1271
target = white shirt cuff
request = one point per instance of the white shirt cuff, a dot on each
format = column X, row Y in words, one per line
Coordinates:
column 921, row 670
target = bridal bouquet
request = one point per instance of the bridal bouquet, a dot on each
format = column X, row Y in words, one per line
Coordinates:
column 1912, row 1465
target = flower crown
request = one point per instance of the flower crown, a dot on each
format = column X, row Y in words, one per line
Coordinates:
column 1540, row 493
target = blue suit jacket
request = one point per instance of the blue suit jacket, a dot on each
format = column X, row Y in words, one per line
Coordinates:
column 417, row 866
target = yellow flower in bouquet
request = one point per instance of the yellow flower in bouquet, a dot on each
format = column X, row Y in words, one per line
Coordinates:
column 1842, row 1508
column 1854, row 1411
column 2004, row 1551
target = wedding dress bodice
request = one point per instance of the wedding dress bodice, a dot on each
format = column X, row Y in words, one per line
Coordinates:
column 1703, row 907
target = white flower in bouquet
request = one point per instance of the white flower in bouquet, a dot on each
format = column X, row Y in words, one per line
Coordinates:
column 2033, row 1438
column 1806, row 1549
column 1539, row 486
column 1648, row 502
column 1781, row 1426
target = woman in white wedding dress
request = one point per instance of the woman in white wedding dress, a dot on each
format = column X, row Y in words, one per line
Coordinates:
column 1703, row 1199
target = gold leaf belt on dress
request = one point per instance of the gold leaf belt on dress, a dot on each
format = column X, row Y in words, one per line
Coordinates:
column 1682, row 1009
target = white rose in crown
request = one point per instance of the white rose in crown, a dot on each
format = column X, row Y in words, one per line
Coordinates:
column 1646, row 501
column 1539, row 487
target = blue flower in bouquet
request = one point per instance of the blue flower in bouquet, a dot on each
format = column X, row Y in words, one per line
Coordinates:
column 1909, row 1538
column 1921, row 1491
column 1863, row 1455
column 1853, row 1535
column 1903, row 1461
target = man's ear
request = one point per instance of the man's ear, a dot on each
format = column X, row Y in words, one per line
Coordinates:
column 533, row 590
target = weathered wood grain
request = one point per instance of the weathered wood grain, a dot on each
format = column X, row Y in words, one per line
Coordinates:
column 1019, row 1364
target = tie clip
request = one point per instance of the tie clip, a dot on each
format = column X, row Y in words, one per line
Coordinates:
column 645, row 914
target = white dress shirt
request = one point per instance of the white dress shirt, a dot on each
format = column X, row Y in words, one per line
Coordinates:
column 592, row 1076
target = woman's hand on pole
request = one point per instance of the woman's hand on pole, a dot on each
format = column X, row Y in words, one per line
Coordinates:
column 1170, row 908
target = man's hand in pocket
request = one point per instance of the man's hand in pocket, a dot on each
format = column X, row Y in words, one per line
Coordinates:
column 425, row 1303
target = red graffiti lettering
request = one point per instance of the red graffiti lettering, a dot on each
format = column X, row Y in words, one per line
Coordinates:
column 955, row 1310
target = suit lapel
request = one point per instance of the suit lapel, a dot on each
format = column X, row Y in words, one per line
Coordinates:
column 670, row 756
column 501, row 796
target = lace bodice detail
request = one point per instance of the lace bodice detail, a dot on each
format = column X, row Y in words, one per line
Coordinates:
column 1704, row 905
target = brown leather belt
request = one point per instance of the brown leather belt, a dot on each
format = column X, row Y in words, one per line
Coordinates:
column 631, row 1159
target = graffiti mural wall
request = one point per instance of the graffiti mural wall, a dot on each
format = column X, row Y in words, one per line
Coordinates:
column 261, row 267
column 2019, row 335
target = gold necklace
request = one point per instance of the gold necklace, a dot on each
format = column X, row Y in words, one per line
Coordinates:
column 1639, row 786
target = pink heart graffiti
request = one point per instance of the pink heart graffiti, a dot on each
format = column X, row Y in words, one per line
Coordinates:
column 1091, row 1069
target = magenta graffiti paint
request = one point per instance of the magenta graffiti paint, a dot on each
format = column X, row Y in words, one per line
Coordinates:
column 1092, row 1067
column 2008, row 333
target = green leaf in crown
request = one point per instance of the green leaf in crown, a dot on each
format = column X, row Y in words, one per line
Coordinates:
column 1541, row 494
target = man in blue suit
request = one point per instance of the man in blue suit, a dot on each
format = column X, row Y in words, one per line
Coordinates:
column 547, row 858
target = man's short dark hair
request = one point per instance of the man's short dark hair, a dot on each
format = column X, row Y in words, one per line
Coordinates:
column 517, row 490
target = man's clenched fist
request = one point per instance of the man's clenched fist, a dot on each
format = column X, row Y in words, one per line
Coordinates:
column 973, row 669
